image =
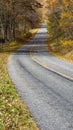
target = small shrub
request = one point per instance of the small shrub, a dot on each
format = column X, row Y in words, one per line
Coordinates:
column 13, row 43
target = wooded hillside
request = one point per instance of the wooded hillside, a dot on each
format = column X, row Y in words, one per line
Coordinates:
column 60, row 27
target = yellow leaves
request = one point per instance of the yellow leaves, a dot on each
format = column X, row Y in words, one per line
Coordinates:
column 66, row 15
column 66, row 19
column 66, row 43
column 66, row 2
column 13, row 43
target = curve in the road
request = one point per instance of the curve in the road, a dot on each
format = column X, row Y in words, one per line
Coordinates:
column 47, row 66
column 48, row 95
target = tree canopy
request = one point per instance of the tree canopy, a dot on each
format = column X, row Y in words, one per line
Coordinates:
column 60, row 18
column 15, row 14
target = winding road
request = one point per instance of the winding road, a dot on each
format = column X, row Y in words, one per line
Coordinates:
column 44, row 83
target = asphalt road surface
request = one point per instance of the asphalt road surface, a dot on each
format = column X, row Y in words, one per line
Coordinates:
column 44, row 83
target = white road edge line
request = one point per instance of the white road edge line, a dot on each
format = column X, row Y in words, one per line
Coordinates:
column 47, row 67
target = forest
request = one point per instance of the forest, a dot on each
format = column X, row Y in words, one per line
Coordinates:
column 61, row 18
column 60, row 27
column 18, row 16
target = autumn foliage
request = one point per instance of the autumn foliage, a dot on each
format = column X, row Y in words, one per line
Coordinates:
column 60, row 18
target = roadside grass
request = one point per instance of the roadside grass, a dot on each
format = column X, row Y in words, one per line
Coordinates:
column 14, row 114
column 59, row 48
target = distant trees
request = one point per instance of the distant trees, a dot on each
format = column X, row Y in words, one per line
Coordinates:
column 66, row 21
column 54, row 18
column 16, row 14
column 60, row 18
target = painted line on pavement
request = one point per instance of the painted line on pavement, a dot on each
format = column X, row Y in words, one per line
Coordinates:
column 47, row 67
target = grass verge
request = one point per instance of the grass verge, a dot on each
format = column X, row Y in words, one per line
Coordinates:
column 14, row 114
column 60, row 50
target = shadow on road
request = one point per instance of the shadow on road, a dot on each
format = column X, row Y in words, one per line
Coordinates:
column 37, row 42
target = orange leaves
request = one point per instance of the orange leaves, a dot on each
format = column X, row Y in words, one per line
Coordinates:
column 51, row 3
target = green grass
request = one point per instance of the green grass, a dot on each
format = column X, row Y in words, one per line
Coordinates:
column 14, row 114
